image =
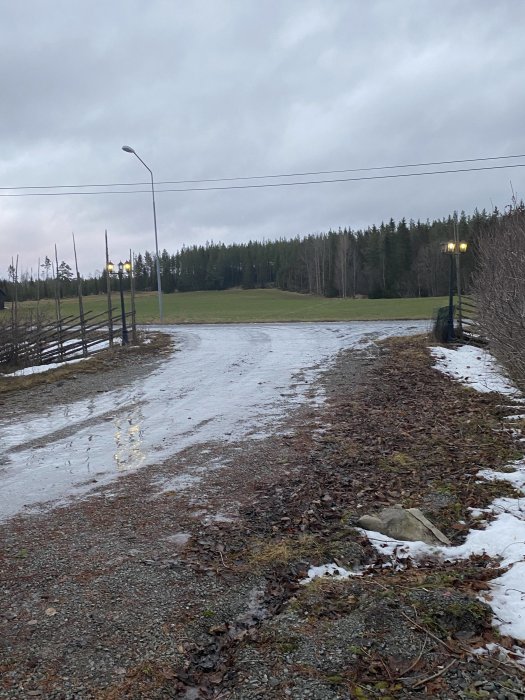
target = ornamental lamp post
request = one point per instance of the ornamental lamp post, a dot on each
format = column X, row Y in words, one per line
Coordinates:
column 454, row 249
column 128, row 149
column 122, row 267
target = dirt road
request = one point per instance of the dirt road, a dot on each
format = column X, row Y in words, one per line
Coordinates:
column 181, row 578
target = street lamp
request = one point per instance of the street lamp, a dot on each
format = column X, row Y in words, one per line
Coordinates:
column 122, row 267
column 128, row 149
column 454, row 249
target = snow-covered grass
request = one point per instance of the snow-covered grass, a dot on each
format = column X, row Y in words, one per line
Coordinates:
column 504, row 536
column 503, row 539
column 332, row 571
column 38, row 369
column 474, row 367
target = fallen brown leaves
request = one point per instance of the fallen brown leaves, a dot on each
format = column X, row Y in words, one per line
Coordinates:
column 406, row 435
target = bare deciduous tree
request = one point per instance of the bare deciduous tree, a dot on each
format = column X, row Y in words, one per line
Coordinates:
column 499, row 288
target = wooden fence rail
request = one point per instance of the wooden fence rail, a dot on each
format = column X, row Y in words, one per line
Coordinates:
column 28, row 338
column 39, row 342
column 471, row 330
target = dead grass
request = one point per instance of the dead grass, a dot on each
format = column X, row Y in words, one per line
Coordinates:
column 285, row 551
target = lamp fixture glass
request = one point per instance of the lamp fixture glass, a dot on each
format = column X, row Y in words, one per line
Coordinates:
column 110, row 267
column 454, row 247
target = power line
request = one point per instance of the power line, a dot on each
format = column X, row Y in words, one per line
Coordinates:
column 346, row 170
column 267, row 177
column 268, row 184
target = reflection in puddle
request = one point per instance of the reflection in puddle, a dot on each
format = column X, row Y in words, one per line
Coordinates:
column 129, row 453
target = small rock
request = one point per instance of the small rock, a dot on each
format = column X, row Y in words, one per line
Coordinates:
column 401, row 524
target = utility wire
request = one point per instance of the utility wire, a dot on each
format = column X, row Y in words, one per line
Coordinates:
column 267, row 177
column 346, row 170
column 268, row 184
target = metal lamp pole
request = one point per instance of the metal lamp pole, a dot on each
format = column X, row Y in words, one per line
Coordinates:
column 451, row 298
column 453, row 249
column 125, row 339
column 128, row 149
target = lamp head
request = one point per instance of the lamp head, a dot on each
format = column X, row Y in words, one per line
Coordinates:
column 120, row 266
column 127, row 266
column 110, row 267
column 463, row 245
column 128, row 149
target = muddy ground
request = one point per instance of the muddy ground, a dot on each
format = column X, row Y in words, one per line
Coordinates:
column 155, row 587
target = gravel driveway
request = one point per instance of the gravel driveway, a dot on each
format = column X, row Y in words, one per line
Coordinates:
column 163, row 580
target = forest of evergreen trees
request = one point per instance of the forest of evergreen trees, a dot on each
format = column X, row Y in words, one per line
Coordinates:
column 392, row 260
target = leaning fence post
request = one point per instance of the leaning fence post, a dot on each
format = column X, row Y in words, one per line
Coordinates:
column 108, row 288
column 80, row 304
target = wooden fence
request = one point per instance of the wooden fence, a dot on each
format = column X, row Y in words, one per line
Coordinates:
column 471, row 330
column 37, row 341
column 29, row 338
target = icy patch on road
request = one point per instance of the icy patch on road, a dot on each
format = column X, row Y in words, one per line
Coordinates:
column 231, row 382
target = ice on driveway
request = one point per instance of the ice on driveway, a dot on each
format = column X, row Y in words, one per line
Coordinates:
column 227, row 382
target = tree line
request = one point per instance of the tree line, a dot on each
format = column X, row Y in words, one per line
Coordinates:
column 395, row 259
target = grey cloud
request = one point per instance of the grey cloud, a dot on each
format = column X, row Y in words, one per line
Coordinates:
column 219, row 89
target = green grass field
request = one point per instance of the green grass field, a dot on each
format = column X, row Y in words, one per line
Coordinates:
column 258, row 305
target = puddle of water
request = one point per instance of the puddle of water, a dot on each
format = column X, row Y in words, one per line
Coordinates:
column 55, row 454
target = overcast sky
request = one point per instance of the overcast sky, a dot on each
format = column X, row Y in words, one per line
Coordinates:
column 237, row 88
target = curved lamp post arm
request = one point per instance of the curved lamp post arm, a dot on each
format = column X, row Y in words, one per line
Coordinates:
column 128, row 149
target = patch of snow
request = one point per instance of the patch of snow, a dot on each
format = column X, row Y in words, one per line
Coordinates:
column 176, row 484
column 516, row 478
column 474, row 367
column 38, row 369
column 400, row 551
column 333, row 571
column 209, row 519
column 516, row 654
column 503, row 539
